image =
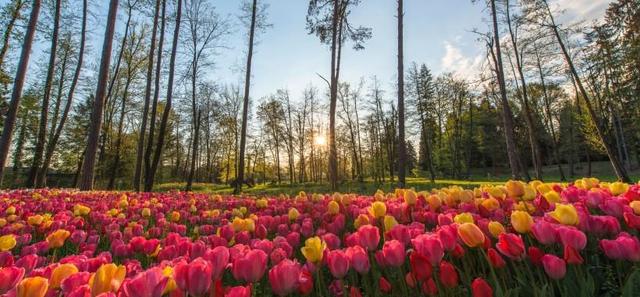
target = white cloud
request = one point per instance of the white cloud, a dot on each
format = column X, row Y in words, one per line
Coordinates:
column 582, row 9
column 462, row 65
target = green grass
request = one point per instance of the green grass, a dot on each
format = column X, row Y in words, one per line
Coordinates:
column 601, row 170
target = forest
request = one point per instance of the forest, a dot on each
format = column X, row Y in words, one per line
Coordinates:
column 550, row 99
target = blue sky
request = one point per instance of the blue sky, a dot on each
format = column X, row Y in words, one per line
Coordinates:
column 437, row 33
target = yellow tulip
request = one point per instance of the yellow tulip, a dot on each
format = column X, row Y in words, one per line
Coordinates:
column 496, row 192
column 389, row 223
column 61, row 273
column 171, row 283
column 108, row 278
column 470, row 234
column 635, row 205
column 361, row 220
column 464, row 217
column 262, row 203
column 35, row 220
column 81, row 210
column 490, row 203
column 552, row 197
column 7, row 242
column 410, row 197
column 293, row 214
column 174, row 216
column 618, row 188
column 378, row 209
column 32, row 287
column 10, row 210
column 529, row 193
column 240, row 225
column 333, row 207
column 146, row 212
column 313, row 249
column 565, row 214
column 57, row 238
column 515, row 189
column 3, row 222
column 521, row 221
column 434, row 202
column 543, row 188
column 495, row 228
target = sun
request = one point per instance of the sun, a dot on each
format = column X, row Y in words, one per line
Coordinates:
column 320, row 140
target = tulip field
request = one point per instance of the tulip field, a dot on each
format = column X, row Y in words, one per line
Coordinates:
column 516, row 239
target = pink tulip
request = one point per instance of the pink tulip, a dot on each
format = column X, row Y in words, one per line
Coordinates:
column 358, row 259
column 338, row 263
column 9, row 278
column 250, row 267
column 150, row 283
column 572, row 237
column 239, row 291
column 219, row 258
column 284, row 277
column 369, row 237
column 555, row 267
column 194, row 277
column 71, row 283
column 544, row 232
column 393, row 252
column 429, row 246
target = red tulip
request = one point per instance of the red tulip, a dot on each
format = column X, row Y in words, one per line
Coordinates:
column 369, row 237
column 194, row 277
column 354, row 292
column 219, row 258
column 239, row 291
column 284, row 277
column 420, row 266
column 511, row 245
column 150, row 283
column 480, row 288
column 429, row 287
column 495, row 259
column 9, row 278
column 555, row 267
column 384, row 285
column 572, row 237
column 535, row 255
column 429, row 246
column 448, row 275
column 250, row 267
column 572, row 256
column 71, row 283
column 338, row 263
column 305, row 282
column 410, row 279
column 544, row 232
column 358, row 259
column 393, row 252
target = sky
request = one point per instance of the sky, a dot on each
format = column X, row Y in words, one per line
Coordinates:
column 436, row 32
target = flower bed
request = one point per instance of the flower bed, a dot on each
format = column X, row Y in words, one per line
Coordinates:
column 520, row 239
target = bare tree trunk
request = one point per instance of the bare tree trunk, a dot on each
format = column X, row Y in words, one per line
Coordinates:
column 167, row 109
column 620, row 171
column 194, row 153
column 147, row 98
column 44, row 111
column 245, row 105
column 116, row 160
column 53, row 141
column 507, row 115
column 18, row 84
column 333, row 152
column 533, row 140
column 88, row 165
column 402, row 146
column 148, row 154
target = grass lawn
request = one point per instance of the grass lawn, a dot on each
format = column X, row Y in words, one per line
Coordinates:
column 601, row 170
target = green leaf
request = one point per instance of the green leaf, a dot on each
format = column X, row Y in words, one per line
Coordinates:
column 632, row 285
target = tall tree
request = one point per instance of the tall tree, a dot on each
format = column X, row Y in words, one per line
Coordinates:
column 167, row 107
column 44, row 111
column 53, row 141
column 507, row 115
column 620, row 171
column 14, row 9
column 147, row 99
column 402, row 146
column 328, row 20
column 18, row 84
column 88, row 164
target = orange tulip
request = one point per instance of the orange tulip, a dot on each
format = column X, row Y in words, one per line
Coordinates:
column 57, row 238
column 470, row 234
column 33, row 287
